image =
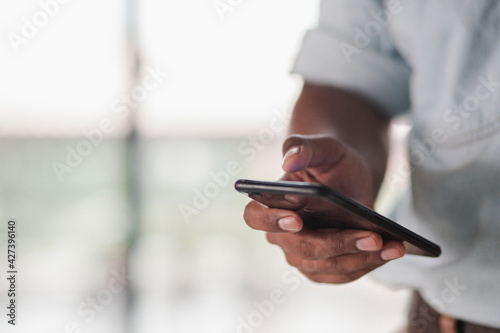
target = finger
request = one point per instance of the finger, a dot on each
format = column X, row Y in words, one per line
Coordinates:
column 336, row 278
column 326, row 243
column 392, row 249
column 341, row 269
column 343, row 273
column 346, row 264
column 327, row 161
column 302, row 152
column 260, row 217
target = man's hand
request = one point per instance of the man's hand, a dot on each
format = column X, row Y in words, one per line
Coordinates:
column 326, row 255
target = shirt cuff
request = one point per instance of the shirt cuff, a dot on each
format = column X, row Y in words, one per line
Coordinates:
column 381, row 79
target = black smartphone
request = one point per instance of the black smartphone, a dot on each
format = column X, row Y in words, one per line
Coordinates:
column 332, row 210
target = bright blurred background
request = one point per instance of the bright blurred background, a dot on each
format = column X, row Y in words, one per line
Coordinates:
column 123, row 125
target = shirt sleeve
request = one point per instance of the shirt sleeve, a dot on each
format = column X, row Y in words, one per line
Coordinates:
column 351, row 48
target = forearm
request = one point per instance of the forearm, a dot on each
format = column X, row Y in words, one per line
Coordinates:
column 346, row 117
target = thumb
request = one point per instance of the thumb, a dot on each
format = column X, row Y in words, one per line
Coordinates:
column 300, row 152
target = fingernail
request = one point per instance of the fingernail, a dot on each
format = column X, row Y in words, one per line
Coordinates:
column 292, row 151
column 367, row 244
column 288, row 224
column 293, row 198
column 391, row 254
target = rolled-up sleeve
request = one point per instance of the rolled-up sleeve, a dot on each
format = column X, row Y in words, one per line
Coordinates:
column 351, row 49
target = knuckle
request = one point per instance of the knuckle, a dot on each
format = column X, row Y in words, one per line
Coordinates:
column 368, row 260
column 293, row 140
column 340, row 245
column 342, row 266
column 255, row 215
column 333, row 265
column 337, row 243
column 310, row 266
column 306, row 249
column 247, row 213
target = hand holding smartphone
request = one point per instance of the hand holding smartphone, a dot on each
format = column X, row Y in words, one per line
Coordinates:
column 322, row 207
